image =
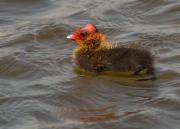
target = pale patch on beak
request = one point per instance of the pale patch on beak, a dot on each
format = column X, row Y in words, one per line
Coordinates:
column 71, row 37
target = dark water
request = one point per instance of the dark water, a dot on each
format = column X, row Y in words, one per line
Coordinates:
column 39, row 88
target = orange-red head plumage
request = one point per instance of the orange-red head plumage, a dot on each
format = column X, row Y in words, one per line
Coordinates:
column 81, row 33
column 87, row 36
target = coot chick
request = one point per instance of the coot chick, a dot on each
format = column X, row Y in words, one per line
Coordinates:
column 95, row 54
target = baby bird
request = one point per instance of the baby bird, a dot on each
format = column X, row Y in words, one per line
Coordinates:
column 95, row 54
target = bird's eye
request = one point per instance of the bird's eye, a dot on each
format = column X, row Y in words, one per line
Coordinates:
column 83, row 33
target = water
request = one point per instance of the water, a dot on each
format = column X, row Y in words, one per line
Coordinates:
column 39, row 88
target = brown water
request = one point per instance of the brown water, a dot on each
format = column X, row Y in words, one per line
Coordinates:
column 39, row 88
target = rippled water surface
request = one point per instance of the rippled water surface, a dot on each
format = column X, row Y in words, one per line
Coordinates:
column 39, row 88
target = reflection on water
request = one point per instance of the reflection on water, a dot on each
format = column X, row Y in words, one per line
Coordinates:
column 39, row 88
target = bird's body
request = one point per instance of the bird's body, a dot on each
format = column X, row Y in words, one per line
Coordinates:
column 119, row 59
